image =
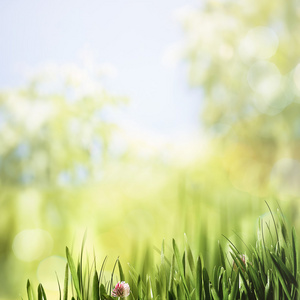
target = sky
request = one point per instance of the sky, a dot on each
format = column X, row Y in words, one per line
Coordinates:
column 138, row 39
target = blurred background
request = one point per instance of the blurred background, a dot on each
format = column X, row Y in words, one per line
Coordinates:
column 138, row 121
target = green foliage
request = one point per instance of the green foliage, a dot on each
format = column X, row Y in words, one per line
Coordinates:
column 267, row 271
column 238, row 54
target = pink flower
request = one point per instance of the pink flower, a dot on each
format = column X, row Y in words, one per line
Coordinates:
column 243, row 259
column 121, row 290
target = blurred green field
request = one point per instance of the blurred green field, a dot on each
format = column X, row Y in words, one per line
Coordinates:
column 66, row 168
column 130, row 221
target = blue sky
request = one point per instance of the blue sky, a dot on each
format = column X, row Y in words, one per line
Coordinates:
column 133, row 36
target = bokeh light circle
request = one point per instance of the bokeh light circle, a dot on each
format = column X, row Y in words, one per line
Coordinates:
column 259, row 43
column 285, row 177
column 271, row 91
column 32, row 244
column 264, row 78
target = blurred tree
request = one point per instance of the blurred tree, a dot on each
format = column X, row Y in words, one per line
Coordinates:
column 244, row 55
column 55, row 130
column 56, row 134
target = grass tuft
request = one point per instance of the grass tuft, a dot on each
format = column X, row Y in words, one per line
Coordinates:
column 268, row 270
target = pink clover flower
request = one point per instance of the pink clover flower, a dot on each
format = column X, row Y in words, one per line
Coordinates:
column 121, row 290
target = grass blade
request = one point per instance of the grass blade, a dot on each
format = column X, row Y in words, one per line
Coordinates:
column 96, row 287
column 171, row 277
column 235, row 287
column 180, row 268
column 41, row 293
column 73, row 273
column 283, row 270
column 206, row 284
column 199, row 279
column 122, row 276
column 295, row 258
column 30, row 293
column 222, row 256
column 59, row 288
column 189, row 255
column 112, row 276
column 66, row 283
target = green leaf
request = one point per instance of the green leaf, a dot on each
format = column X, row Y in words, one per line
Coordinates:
column 180, row 268
column 295, row 261
column 140, row 287
column 79, row 276
column 102, row 269
column 180, row 292
column 133, row 274
column 66, row 283
column 190, row 258
column 214, row 294
column 199, row 279
column 235, row 287
column 122, row 276
column 206, row 284
column 267, row 286
column 41, row 293
column 224, row 281
column 171, row 277
column 102, row 290
column 240, row 263
column 171, row 296
column 273, row 221
column 158, row 287
column 258, row 285
column 247, row 288
column 96, row 286
column 183, row 263
column 222, row 256
column 215, row 278
column 283, row 284
column 73, row 273
column 149, row 290
column 112, row 276
column 59, row 288
column 284, row 275
column 30, row 293
column 294, row 250
column 283, row 270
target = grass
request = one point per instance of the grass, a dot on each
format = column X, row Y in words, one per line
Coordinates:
column 266, row 270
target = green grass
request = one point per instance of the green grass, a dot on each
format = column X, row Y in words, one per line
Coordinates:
column 266, row 270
